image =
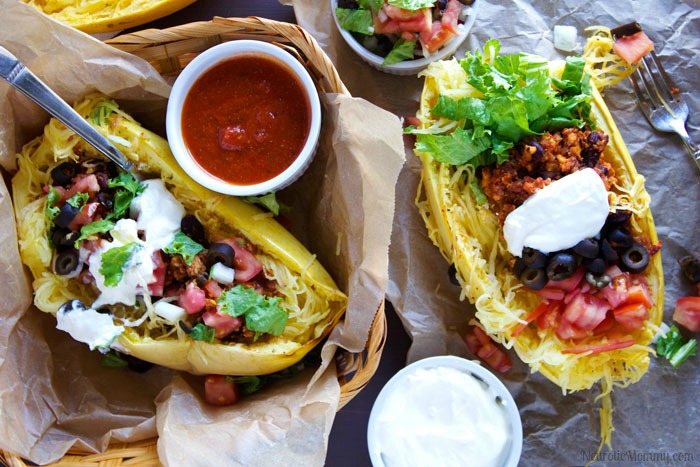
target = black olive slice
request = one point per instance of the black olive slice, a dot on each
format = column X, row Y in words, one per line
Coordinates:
column 607, row 252
column 588, row 248
column 595, row 265
column 634, row 259
column 66, row 261
column 66, row 215
column 561, row 266
column 534, row 258
column 64, row 237
column 534, row 279
column 194, row 229
column 597, row 280
column 62, row 174
column 220, row 253
column 620, row 238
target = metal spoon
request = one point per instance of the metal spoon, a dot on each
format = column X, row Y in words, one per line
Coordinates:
column 14, row 72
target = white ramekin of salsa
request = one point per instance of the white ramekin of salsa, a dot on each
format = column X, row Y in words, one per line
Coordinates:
column 244, row 118
column 444, row 411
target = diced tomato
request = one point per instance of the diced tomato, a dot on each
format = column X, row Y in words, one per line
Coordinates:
column 687, row 313
column 389, row 26
column 631, row 316
column 193, row 299
column 410, row 20
column 567, row 330
column 245, row 263
column 602, row 347
column 222, row 323
column 155, row 288
column 82, row 184
column 606, row 325
column 450, row 17
column 220, row 390
column 586, row 311
column 540, row 309
column 632, row 48
column 411, row 120
column 84, row 216
column 213, row 289
column 570, row 284
column 550, row 319
column 638, row 292
column 617, row 291
column 481, row 345
column 436, row 37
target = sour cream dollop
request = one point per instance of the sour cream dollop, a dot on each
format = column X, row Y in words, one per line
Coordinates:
column 156, row 213
column 88, row 326
column 440, row 416
column 559, row 215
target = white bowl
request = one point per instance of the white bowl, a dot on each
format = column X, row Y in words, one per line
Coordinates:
column 187, row 78
column 409, row 67
column 393, row 432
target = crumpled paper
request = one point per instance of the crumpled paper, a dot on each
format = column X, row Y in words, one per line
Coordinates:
column 656, row 420
column 54, row 394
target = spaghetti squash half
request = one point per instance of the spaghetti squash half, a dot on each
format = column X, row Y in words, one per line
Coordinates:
column 465, row 216
column 227, row 290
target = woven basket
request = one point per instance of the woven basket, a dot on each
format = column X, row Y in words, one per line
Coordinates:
column 169, row 50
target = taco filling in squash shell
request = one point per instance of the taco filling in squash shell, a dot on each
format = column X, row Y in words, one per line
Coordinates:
column 529, row 191
column 157, row 266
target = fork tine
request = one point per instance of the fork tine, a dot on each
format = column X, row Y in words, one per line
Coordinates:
column 666, row 82
column 642, row 95
column 662, row 84
column 648, row 83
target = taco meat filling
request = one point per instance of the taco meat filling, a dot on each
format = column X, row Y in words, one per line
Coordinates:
column 536, row 163
column 203, row 285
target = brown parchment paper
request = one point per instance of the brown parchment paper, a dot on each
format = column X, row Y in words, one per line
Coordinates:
column 54, row 393
column 657, row 421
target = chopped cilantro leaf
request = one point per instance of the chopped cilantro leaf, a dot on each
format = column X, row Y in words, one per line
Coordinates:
column 128, row 187
column 202, row 332
column 184, row 246
column 94, row 228
column 262, row 314
column 115, row 260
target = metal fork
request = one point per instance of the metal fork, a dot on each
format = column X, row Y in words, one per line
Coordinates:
column 661, row 101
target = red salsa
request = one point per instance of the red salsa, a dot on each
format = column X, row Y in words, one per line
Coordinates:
column 246, row 119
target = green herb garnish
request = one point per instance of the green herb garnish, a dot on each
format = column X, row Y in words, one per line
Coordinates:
column 675, row 348
column 262, row 314
column 78, row 200
column 52, row 199
column 115, row 260
column 202, row 332
column 128, row 188
column 518, row 99
column 93, row 228
column 184, row 246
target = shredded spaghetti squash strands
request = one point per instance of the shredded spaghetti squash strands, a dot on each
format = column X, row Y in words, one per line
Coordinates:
column 468, row 235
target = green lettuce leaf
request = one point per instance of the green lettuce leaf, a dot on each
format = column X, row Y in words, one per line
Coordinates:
column 402, row 50
column 52, row 199
column 202, row 332
column 128, row 187
column 78, row 200
column 269, row 202
column 355, row 20
column 412, row 4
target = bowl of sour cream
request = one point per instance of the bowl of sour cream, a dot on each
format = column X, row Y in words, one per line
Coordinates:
column 444, row 411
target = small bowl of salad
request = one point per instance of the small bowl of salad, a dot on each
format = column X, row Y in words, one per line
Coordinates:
column 403, row 36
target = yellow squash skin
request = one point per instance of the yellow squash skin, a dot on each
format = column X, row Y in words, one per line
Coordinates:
column 99, row 16
column 469, row 236
column 319, row 303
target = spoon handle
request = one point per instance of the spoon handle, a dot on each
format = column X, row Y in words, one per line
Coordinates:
column 16, row 74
